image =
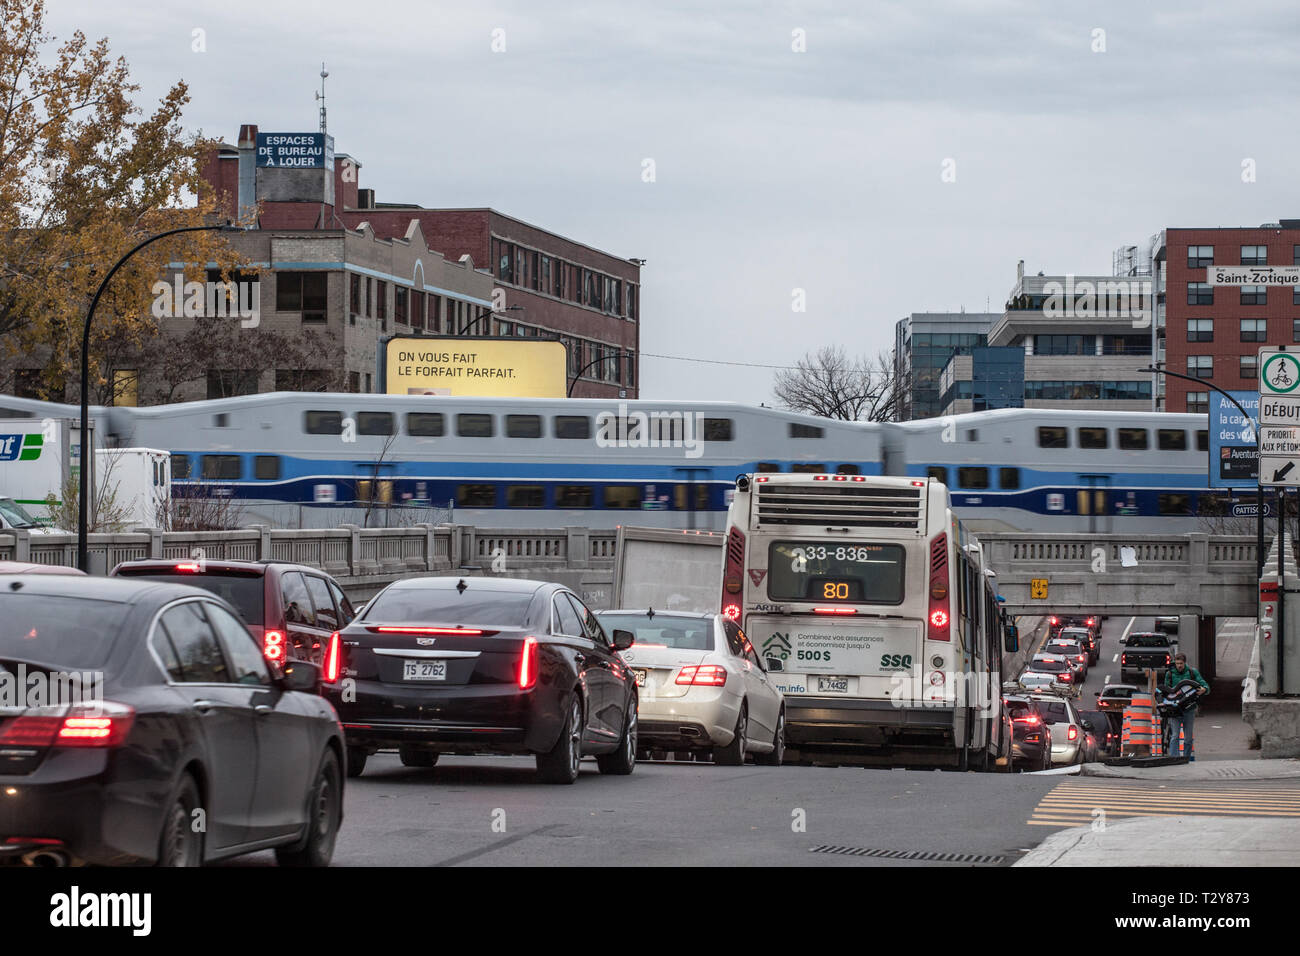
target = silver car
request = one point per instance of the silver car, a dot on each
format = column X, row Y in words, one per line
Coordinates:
column 1069, row 736
column 703, row 687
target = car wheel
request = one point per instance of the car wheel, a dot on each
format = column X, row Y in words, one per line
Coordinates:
column 356, row 761
column 623, row 760
column 325, row 813
column 560, row 763
column 774, row 758
column 181, row 844
column 733, row 755
column 415, row 757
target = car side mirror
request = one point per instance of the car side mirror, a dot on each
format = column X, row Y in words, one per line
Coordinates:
column 623, row 640
column 1011, row 639
column 300, row 675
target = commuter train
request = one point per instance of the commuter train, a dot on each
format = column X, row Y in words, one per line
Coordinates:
column 548, row 463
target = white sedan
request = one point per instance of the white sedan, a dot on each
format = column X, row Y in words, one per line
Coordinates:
column 702, row 686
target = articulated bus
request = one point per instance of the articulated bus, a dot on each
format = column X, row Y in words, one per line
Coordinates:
column 875, row 614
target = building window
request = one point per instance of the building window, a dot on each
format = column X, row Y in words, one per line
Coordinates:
column 227, row 383
column 354, row 296
column 1133, row 439
column 1254, row 330
column 1250, row 366
column 1254, row 295
column 1200, row 293
column 417, row 310
column 631, row 301
column 1201, row 366
column 1200, row 330
column 354, row 382
column 1295, row 255
column 381, row 300
column 1254, row 255
column 1198, row 402
column 304, row 292
column 368, row 385
column 399, row 306
column 1053, row 437
column 1200, row 256
column 1093, row 438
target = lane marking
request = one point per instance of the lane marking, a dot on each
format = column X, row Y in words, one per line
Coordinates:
column 1124, row 637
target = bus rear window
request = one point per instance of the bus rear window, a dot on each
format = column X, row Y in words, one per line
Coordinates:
column 818, row 571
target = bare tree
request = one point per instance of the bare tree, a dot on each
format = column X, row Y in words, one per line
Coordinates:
column 830, row 384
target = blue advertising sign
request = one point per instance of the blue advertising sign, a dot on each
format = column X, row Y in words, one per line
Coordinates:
column 1234, row 457
column 295, row 150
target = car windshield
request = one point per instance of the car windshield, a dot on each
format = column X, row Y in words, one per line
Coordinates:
column 1075, row 633
column 1050, row 666
column 682, row 633
column 1020, row 709
column 1054, row 711
column 71, row 633
column 1124, row 692
column 245, row 591
column 1072, row 646
column 473, row 607
column 1148, row 640
column 15, row 515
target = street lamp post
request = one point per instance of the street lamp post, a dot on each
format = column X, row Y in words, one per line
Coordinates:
column 87, row 454
column 1259, row 478
column 593, row 362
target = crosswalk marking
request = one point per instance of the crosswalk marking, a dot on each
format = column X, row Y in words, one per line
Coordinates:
column 1070, row 804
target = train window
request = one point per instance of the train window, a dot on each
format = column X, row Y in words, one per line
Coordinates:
column 1009, row 478
column 525, row 496
column 847, row 469
column 180, row 466
column 376, row 423
column 473, row 425
column 574, row 496
column 266, row 467
column 1173, row 504
column 1171, row 439
column 937, row 473
column 1202, row 440
column 681, row 498
column 1052, row 436
column 323, row 423
column 808, row 468
column 1093, row 438
column 476, row 496
column 221, row 421
column 572, row 426
column 973, row 477
column 667, row 429
column 1134, row 439
column 220, row 467
column 424, row 424
column 717, row 429
column 806, row 431
column 768, row 466
column 524, row 426
column 623, row 496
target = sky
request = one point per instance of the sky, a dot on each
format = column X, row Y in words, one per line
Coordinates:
column 794, row 174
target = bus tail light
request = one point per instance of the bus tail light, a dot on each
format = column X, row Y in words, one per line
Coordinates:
column 733, row 578
column 937, row 620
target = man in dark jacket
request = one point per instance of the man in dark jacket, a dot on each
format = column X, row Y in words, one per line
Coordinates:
column 1187, row 717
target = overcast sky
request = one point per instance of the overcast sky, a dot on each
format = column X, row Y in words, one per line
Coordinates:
column 775, row 170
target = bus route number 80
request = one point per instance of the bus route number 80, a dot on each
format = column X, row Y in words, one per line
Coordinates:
column 835, row 590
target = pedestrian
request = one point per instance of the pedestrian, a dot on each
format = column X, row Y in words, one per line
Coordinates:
column 1184, row 719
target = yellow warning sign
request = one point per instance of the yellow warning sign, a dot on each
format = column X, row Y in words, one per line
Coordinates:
column 1038, row 589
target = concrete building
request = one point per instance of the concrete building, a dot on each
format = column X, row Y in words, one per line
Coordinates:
column 923, row 344
column 550, row 286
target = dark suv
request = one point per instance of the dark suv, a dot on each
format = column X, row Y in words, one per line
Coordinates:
column 1031, row 741
column 291, row 609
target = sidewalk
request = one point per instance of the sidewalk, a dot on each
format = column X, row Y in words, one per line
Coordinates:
column 1174, row 841
column 1202, row 770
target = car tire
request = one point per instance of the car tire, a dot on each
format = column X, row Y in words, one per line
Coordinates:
column 179, row 844
column 733, row 755
column 623, row 760
column 560, row 763
column 415, row 757
column 777, row 754
column 356, row 761
column 325, row 813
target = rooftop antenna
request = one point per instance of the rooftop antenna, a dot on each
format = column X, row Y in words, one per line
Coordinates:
column 321, row 96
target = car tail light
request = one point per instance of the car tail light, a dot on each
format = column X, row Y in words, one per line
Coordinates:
column 1091, row 621
column 528, row 664
column 1166, row 660
column 937, row 619
column 1123, row 658
column 708, row 675
column 1031, row 719
column 191, row 566
column 333, row 659
column 102, row 724
column 1053, row 622
column 733, row 577
column 1082, row 657
column 731, row 612
column 273, row 646
column 30, row 731
column 1074, row 732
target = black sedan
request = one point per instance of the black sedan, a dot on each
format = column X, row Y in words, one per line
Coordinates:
column 1031, row 742
column 160, row 734
column 483, row 666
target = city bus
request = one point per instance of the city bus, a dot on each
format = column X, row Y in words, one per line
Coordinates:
column 874, row 612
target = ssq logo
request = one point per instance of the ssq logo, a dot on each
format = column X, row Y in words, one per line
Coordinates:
column 896, row 660
column 20, row 447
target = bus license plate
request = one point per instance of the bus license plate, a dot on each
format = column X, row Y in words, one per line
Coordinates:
column 424, row 670
column 832, row 685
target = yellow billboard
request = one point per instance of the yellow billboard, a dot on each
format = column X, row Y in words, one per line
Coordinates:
column 485, row 367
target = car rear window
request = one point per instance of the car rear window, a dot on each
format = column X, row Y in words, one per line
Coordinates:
column 475, row 607
column 66, row 632
column 1020, row 708
column 1049, row 667
column 1054, row 712
column 1148, row 640
column 682, row 633
column 244, row 591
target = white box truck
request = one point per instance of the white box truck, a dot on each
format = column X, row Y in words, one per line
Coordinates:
column 38, row 457
column 667, row 570
column 140, row 482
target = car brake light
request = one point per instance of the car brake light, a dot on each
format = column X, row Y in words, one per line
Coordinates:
column 333, row 659
column 1053, row 620
column 273, row 646
column 1091, row 621
column 404, row 629
column 30, row 731
column 188, row 566
column 96, row 724
column 1031, row 719
column 1074, row 732
column 1081, row 657
column 528, row 664
column 708, row 675
column 1166, row 660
